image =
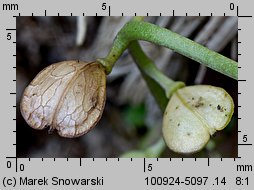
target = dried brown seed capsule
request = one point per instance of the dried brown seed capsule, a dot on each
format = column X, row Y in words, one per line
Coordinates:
column 68, row 96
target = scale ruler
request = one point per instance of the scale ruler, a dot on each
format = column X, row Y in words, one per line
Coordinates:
column 126, row 173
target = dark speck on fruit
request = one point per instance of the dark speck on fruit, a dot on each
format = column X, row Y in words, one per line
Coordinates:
column 198, row 103
column 221, row 109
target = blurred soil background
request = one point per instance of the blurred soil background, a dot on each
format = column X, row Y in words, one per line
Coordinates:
column 131, row 119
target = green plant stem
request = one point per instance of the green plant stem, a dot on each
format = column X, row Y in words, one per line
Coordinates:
column 139, row 30
column 160, row 85
column 156, row 149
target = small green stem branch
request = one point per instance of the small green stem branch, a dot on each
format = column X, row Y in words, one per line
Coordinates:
column 156, row 149
column 139, row 30
column 160, row 85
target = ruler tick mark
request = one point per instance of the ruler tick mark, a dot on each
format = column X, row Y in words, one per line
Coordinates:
column 241, row 16
column 245, row 16
column 144, row 164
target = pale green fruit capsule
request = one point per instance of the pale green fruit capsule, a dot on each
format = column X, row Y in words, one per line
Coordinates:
column 193, row 114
